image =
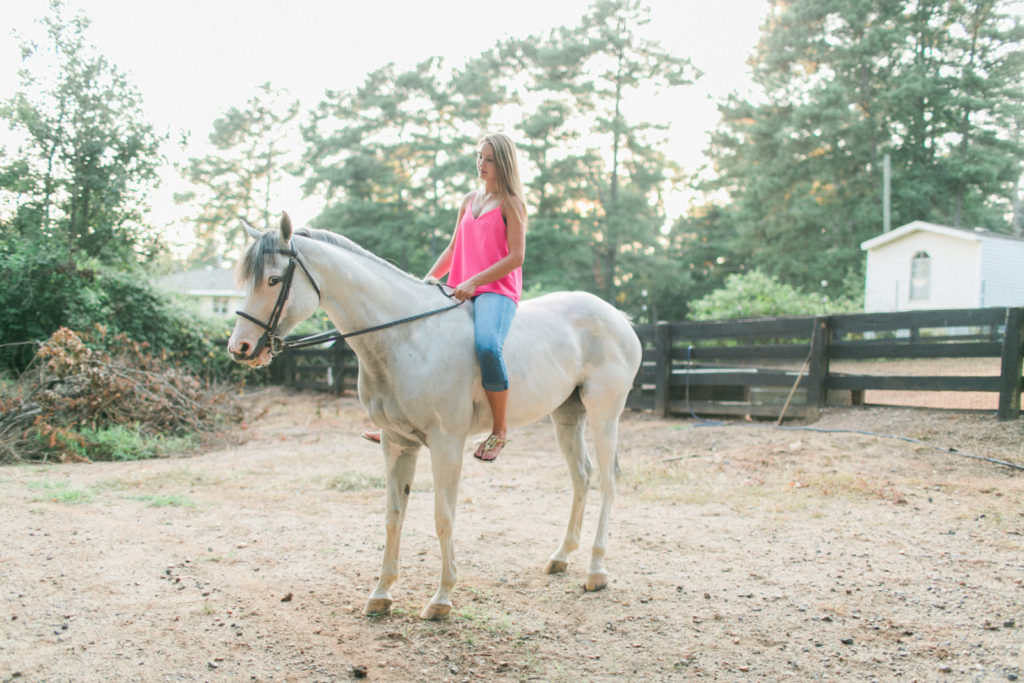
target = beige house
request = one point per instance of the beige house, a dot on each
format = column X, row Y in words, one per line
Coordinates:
column 213, row 289
column 928, row 266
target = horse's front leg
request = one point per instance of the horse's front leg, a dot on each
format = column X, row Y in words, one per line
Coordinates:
column 401, row 469
column 446, row 464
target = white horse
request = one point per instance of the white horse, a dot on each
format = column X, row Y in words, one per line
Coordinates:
column 569, row 355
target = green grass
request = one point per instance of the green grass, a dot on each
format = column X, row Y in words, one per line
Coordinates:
column 493, row 624
column 59, row 492
column 356, row 481
column 122, row 443
column 166, row 500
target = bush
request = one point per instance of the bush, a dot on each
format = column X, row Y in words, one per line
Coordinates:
column 755, row 294
column 75, row 402
column 43, row 293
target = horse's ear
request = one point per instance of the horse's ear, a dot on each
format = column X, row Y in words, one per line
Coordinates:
column 253, row 232
column 286, row 227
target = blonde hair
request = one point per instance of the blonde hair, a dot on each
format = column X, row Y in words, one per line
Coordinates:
column 506, row 160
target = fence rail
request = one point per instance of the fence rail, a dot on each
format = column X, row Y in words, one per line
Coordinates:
column 762, row 367
column 773, row 366
column 331, row 367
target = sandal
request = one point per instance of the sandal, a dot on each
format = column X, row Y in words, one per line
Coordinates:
column 373, row 436
column 494, row 443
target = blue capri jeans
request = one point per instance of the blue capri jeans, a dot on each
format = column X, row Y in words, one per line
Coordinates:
column 492, row 319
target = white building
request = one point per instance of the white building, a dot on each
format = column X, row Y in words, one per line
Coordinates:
column 927, row 266
column 213, row 289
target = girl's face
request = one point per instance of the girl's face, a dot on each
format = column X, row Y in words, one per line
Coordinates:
column 485, row 166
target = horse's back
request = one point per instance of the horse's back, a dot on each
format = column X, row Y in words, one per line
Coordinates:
column 570, row 341
column 596, row 325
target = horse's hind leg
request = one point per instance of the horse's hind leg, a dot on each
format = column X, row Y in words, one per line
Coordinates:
column 401, row 469
column 605, row 432
column 570, row 420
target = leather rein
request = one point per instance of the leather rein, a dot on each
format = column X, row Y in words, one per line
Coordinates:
column 279, row 344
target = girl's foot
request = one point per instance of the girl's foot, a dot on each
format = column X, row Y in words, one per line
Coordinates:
column 373, row 436
column 489, row 450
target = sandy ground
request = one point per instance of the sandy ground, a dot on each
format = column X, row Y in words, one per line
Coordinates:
column 738, row 552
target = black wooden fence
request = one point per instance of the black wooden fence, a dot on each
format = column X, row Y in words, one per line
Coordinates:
column 773, row 367
column 331, row 367
column 779, row 367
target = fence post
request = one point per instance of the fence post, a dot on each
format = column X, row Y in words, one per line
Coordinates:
column 338, row 367
column 662, row 368
column 1011, row 367
column 817, row 369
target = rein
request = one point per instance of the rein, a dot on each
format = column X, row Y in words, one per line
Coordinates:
column 278, row 344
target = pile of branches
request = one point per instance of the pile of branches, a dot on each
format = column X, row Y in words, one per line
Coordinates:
column 80, row 383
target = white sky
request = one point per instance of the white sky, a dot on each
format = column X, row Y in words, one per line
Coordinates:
column 194, row 59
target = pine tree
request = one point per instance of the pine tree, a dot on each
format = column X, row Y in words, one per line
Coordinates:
column 239, row 179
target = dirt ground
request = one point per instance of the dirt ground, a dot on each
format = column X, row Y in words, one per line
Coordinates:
column 738, row 552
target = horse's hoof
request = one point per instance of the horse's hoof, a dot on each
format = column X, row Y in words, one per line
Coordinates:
column 596, row 582
column 556, row 567
column 435, row 612
column 377, row 607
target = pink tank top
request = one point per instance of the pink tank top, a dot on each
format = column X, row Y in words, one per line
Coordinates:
column 479, row 244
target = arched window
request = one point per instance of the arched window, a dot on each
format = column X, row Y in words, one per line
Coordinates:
column 920, row 276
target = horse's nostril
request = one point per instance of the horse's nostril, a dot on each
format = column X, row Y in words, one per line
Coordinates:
column 240, row 351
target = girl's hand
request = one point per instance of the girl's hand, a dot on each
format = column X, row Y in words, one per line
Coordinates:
column 465, row 290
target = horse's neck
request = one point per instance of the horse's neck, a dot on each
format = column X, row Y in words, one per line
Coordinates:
column 359, row 291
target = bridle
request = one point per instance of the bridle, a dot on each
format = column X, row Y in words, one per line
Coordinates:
column 278, row 344
column 270, row 337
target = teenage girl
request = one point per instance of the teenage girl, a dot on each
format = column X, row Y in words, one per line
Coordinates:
column 483, row 262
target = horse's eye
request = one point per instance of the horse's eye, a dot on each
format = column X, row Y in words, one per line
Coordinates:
column 274, row 280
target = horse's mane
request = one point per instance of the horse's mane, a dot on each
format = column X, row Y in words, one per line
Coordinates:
column 250, row 266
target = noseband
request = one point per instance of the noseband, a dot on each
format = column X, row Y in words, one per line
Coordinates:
column 270, row 337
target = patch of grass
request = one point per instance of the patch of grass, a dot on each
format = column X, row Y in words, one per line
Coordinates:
column 356, row 481
column 59, row 492
column 483, row 618
column 167, row 500
column 700, row 485
column 853, row 487
column 122, row 443
column 657, row 482
column 179, row 478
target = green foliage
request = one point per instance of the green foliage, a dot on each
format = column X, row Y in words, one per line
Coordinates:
column 127, row 442
column 394, row 157
column 755, row 294
column 43, row 293
column 79, row 179
column 239, row 180
column 599, row 174
column 558, row 256
column 131, row 384
column 934, row 85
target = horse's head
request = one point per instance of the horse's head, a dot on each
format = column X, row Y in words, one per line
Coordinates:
column 276, row 298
